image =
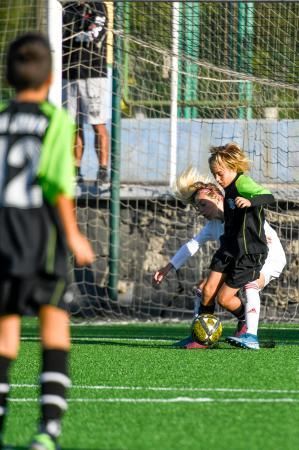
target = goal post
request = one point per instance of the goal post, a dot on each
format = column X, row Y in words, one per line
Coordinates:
column 54, row 29
column 229, row 87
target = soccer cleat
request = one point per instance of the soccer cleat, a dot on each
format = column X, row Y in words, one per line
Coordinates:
column 43, row 441
column 183, row 342
column 241, row 328
column 193, row 345
column 246, row 340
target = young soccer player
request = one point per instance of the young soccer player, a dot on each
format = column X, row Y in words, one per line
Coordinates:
column 208, row 200
column 243, row 246
column 37, row 223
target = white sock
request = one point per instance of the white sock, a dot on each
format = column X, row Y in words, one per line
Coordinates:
column 252, row 307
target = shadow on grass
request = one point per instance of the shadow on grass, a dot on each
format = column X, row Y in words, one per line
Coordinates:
column 11, row 447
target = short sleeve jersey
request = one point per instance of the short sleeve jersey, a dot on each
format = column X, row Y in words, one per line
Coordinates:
column 36, row 165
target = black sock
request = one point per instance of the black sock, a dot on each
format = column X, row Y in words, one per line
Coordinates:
column 4, row 388
column 54, row 381
column 239, row 313
column 206, row 309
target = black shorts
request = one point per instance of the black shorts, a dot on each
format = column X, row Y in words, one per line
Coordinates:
column 240, row 271
column 24, row 296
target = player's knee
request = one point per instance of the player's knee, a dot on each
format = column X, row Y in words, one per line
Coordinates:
column 207, row 294
column 257, row 284
column 223, row 299
column 9, row 351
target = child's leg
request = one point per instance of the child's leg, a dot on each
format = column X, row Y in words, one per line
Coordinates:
column 198, row 296
column 228, row 299
column 9, row 346
column 241, row 274
column 210, row 290
column 55, row 336
column 253, row 304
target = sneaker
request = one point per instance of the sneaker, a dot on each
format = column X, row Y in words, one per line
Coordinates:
column 193, row 345
column 183, row 342
column 43, row 441
column 241, row 328
column 246, row 340
column 102, row 175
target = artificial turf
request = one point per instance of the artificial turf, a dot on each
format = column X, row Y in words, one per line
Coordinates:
column 133, row 391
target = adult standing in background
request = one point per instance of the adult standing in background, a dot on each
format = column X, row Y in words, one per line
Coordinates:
column 85, row 78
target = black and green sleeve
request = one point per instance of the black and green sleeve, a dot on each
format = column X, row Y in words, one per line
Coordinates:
column 253, row 191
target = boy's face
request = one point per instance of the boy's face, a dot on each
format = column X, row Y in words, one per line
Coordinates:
column 209, row 207
column 223, row 175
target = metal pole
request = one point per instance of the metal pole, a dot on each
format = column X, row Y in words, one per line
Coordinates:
column 180, row 62
column 240, row 60
column 54, row 13
column 174, row 93
column 249, row 56
column 245, row 53
column 192, row 46
column 114, row 213
column 126, row 49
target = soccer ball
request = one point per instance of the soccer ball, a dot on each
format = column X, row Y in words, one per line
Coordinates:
column 206, row 329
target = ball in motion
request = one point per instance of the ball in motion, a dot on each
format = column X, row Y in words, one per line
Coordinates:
column 206, row 329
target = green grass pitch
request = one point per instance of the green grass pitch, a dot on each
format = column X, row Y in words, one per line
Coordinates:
column 132, row 391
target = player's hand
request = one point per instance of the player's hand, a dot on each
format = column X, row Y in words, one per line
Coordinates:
column 82, row 250
column 161, row 274
column 158, row 277
column 242, row 202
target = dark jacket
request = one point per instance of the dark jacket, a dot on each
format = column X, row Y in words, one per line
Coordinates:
column 84, row 40
column 244, row 227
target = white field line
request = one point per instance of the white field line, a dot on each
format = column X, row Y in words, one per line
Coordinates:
column 169, row 389
column 168, row 400
column 107, row 338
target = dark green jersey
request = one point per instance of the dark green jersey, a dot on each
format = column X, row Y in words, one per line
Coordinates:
column 244, row 227
column 36, row 165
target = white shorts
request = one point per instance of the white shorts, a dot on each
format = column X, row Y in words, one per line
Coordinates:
column 86, row 100
column 276, row 259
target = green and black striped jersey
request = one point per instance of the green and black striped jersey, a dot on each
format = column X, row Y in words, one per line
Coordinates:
column 244, row 227
column 36, row 165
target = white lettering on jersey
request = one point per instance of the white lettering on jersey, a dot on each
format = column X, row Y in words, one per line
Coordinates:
column 24, row 123
column 4, row 120
column 20, row 191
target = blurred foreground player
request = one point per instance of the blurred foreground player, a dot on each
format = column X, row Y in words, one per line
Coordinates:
column 37, row 222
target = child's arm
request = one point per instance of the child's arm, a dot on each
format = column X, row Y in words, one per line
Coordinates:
column 210, row 232
column 252, row 193
column 77, row 242
column 161, row 273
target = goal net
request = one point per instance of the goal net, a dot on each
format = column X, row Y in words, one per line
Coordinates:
column 187, row 75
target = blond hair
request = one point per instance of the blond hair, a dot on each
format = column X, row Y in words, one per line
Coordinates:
column 231, row 156
column 189, row 182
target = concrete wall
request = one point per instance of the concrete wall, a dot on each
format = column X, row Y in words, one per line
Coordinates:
column 272, row 147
